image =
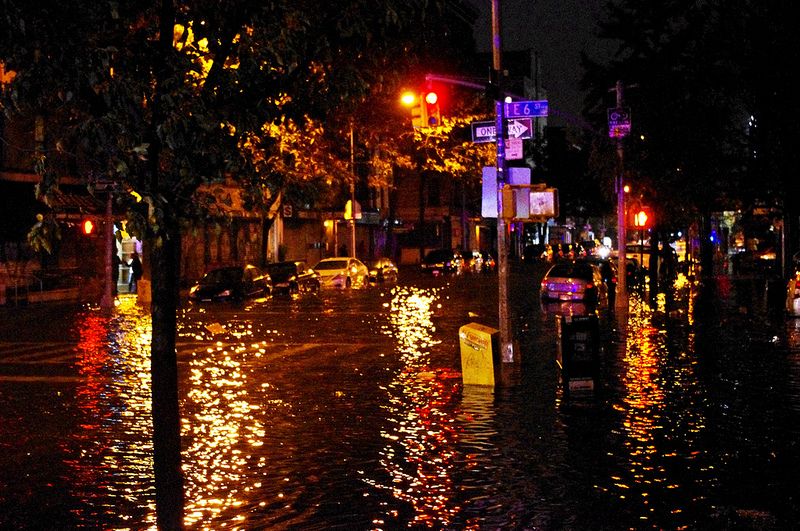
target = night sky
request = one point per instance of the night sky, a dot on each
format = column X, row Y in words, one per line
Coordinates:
column 559, row 30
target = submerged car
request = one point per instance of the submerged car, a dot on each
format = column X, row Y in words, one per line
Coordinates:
column 575, row 280
column 342, row 272
column 608, row 270
column 482, row 262
column 441, row 261
column 292, row 277
column 231, row 283
column 382, row 270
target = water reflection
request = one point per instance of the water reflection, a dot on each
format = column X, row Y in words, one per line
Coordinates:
column 222, row 426
column 113, row 400
column 662, row 421
column 419, row 454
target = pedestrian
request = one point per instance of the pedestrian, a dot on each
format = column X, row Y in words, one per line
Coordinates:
column 136, row 272
column 115, row 263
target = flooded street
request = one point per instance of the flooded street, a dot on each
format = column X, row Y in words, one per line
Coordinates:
column 346, row 410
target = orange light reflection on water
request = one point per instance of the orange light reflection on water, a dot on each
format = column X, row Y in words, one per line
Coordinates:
column 652, row 387
column 419, row 450
column 221, row 426
column 113, row 398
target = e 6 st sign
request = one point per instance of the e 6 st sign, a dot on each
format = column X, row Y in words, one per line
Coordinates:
column 526, row 109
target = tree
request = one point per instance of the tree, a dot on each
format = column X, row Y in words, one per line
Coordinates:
column 689, row 107
column 164, row 97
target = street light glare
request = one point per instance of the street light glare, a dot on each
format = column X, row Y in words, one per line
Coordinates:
column 408, row 98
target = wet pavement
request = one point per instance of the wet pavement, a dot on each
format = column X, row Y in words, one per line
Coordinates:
column 346, row 410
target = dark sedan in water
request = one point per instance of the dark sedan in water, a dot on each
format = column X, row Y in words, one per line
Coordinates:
column 382, row 270
column 231, row 283
column 440, row 261
column 292, row 277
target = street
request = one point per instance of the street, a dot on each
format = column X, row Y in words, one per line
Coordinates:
column 346, row 410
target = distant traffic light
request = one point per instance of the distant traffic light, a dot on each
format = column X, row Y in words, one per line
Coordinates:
column 643, row 218
column 87, row 226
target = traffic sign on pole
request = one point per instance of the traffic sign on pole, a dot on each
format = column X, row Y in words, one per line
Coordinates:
column 619, row 122
column 526, row 109
column 486, row 131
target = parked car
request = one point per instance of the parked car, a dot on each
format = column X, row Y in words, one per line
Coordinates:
column 793, row 294
column 574, row 280
column 481, row 262
column 231, row 283
column 533, row 252
column 440, row 261
column 342, row 272
column 382, row 270
column 608, row 270
column 292, row 277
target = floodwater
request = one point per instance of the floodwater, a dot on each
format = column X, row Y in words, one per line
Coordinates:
column 346, row 410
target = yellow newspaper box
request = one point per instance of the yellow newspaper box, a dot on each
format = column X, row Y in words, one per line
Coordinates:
column 480, row 354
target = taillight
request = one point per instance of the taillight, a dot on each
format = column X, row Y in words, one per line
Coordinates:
column 589, row 285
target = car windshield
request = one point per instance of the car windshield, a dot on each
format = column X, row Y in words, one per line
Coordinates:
column 281, row 270
column 222, row 276
column 571, row 270
column 331, row 264
column 439, row 256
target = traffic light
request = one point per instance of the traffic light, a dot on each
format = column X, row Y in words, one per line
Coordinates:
column 642, row 218
column 431, row 106
column 415, row 102
column 87, row 226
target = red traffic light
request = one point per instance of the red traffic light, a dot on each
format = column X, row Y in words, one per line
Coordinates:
column 87, row 226
column 432, row 108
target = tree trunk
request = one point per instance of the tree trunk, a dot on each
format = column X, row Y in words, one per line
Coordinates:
column 164, row 261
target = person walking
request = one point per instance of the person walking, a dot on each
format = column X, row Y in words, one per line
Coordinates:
column 136, row 272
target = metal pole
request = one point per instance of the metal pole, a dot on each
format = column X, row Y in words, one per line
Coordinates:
column 622, row 291
column 352, row 196
column 506, row 346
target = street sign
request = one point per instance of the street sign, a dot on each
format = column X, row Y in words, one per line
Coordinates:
column 525, row 109
column 521, row 128
column 514, row 149
column 619, row 122
column 483, row 131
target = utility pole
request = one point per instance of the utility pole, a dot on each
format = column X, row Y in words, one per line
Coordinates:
column 107, row 300
column 506, row 345
column 622, row 291
column 352, row 195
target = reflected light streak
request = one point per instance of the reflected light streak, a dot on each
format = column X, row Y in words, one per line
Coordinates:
column 221, row 426
column 113, row 400
column 420, row 449
column 656, row 420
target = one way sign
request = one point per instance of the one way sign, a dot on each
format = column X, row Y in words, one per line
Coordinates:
column 521, row 128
